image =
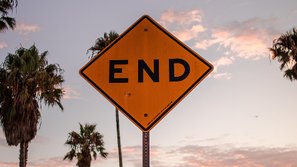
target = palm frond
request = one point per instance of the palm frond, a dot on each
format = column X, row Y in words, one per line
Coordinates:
column 7, row 22
column 284, row 49
column 102, row 42
column 70, row 155
column 86, row 143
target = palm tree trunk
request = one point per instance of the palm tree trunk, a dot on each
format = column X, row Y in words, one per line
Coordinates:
column 23, row 154
column 119, row 138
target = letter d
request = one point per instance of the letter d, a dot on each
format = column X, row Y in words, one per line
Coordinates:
column 172, row 77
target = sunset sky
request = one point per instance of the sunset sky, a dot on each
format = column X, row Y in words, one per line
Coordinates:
column 243, row 115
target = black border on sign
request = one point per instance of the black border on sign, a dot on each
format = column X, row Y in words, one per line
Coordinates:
column 174, row 103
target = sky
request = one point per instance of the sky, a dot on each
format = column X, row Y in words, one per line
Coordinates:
column 242, row 115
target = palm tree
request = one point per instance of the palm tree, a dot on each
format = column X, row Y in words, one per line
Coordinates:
column 27, row 81
column 284, row 49
column 12, row 2
column 85, row 144
column 100, row 44
column 5, row 21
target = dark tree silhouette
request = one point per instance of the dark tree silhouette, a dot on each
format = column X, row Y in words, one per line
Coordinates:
column 100, row 44
column 7, row 22
column 26, row 81
column 284, row 50
column 85, row 144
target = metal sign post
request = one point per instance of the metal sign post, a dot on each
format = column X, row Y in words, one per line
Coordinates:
column 146, row 149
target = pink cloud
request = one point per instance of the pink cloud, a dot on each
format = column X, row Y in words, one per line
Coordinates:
column 54, row 161
column 243, row 157
column 70, row 93
column 222, row 61
column 185, row 25
column 9, row 164
column 188, row 34
column 248, row 39
column 223, row 75
column 214, row 156
column 131, row 154
column 3, row 45
column 181, row 17
column 189, row 156
column 211, row 156
column 25, row 29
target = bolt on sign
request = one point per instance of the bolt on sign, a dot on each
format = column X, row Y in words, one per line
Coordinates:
column 145, row 72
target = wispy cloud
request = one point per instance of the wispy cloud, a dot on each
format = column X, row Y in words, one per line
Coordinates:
column 70, row 93
column 222, row 75
column 248, row 39
column 181, row 17
column 192, row 155
column 131, row 155
column 213, row 156
column 9, row 164
column 185, row 25
column 222, row 61
column 25, row 29
column 3, row 45
column 55, row 161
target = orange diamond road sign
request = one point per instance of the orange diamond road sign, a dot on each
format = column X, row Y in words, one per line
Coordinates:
column 145, row 72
